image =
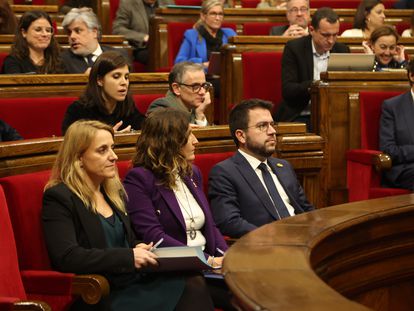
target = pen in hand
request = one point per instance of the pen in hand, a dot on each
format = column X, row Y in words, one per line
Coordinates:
column 156, row 245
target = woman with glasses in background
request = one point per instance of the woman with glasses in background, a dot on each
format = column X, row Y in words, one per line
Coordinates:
column 369, row 16
column 34, row 50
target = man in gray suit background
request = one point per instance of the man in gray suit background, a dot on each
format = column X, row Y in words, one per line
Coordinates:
column 298, row 16
column 132, row 21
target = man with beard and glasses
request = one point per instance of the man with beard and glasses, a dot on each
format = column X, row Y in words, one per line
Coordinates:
column 252, row 188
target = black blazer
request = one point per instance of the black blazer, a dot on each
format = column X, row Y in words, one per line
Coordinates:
column 75, row 239
column 297, row 76
column 278, row 30
column 397, row 134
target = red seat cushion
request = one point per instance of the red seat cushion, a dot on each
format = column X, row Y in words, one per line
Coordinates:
column 266, row 68
column 175, row 38
column 35, row 117
column 249, row 3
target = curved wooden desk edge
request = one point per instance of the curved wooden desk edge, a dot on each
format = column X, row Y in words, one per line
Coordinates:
column 356, row 248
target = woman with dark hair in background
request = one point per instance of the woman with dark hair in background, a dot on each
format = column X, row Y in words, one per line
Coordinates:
column 107, row 97
column 165, row 192
column 8, row 21
column 369, row 16
column 384, row 44
column 35, row 49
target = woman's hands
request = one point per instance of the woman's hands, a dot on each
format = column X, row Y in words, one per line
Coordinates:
column 118, row 125
column 399, row 55
column 143, row 256
column 215, row 262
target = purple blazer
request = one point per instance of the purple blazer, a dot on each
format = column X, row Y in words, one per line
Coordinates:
column 155, row 212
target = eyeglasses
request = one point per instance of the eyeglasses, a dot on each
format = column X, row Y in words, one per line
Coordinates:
column 196, row 87
column 262, row 126
column 216, row 14
column 302, row 10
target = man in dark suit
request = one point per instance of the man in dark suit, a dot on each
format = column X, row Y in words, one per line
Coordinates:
column 302, row 62
column 251, row 188
column 298, row 16
column 84, row 32
column 397, row 136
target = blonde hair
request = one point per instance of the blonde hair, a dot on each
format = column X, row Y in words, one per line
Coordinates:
column 67, row 166
column 206, row 6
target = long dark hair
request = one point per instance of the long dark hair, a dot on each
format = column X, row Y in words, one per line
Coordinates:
column 8, row 23
column 20, row 48
column 158, row 148
column 92, row 97
column 364, row 8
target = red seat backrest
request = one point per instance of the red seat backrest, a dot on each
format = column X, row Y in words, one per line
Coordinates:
column 345, row 26
column 249, row 3
column 35, row 117
column 175, row 38
column 266, row 68
column 113, row 7
column 345, row 4
column 142, row 101
column 10, row 281
column 401, row 26
column 259, row 28
column 188, row 2
column 370, row 106
column 123, row 168
column 205, row 161
column 24, row 195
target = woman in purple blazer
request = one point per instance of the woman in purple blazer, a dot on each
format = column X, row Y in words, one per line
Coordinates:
column 165, row 191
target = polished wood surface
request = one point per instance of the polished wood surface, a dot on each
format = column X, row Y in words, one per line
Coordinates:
column 355, row 256
column 303, row 150
column 335, row 117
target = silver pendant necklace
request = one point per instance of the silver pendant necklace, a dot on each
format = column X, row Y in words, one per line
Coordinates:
column 189, row 212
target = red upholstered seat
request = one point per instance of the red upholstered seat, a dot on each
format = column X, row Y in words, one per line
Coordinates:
column 262, row 76
column 205, row 161
column 362, row 179
column 401, row 26
column 188, row 2
column 113, row 7
column 249, row 3
column 259, row 28
column 142, row 101
column 30, row 261
column 35, row 117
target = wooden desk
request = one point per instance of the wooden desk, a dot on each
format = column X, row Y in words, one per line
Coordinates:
column 336, row 258
column 303, row 150
column 335, row 117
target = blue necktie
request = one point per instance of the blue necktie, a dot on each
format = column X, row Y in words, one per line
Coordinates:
column 280, row 207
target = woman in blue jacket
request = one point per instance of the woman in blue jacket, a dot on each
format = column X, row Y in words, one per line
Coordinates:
column 206, row 36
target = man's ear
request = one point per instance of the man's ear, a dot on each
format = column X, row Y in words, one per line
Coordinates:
column 176, row 89
column 311, row 29
column 241, row 136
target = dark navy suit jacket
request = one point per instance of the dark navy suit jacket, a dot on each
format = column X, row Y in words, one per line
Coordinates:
column 155, row 212
column 238, row 199
column 397, row 134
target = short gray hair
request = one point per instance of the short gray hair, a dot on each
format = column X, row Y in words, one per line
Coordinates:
column 84, row 14
column 179, row 69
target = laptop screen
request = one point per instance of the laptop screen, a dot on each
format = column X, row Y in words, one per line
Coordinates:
column 351, row 62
